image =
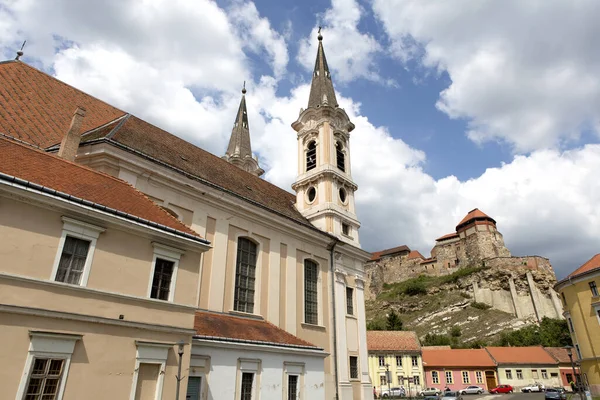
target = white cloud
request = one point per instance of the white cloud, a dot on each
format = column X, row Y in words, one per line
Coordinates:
column 350, row 53
column 523, row 72
column 545, row 203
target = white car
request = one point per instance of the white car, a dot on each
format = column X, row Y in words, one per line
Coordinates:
column 430, row 392
column 395, row 391
column 472, row 390
column 536, row 387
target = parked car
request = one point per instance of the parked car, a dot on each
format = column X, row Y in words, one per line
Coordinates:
column 431, row 398
column 450, row 395
column 536, row 387
column 395, row 391
column 502, row 389
column 472, row 390
column 556, row 394
column 430, row 392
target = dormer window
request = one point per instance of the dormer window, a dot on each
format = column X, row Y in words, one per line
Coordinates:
column 311, row 156
column 340, row 156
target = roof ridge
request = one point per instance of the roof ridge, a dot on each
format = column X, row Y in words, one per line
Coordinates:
column 119, row 181
column 65, row 84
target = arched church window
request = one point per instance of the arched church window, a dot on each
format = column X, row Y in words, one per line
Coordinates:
column 340, row 156
column 311, row 155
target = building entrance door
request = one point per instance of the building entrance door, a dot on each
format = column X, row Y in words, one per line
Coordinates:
column 490, row 379
column 194, row 388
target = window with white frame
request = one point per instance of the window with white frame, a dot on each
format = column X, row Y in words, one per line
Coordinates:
column 449, row 377
column 415, row 361
column 417, row 380
column 165, row 264
column 479, row 376
column 382, row 361
column 248, row 379
column 292, row 387
column 349, row 301
column 465, row 377
column 534, row 374
column 435, row 377
column 311, row 292
column 75, row 252
column 294, row 380
column 149, row 371
column 508, row 373
column 519, row 374
column 382, row 380
column 544, row 374
column 593, row 288
column 245, row 275
column 47, row 365
column 398, row 361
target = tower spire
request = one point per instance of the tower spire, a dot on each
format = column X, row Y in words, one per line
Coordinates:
column 239, row 150
column 321, row 89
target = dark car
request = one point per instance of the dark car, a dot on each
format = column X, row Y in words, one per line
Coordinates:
column 555, row 394
column 502, row 389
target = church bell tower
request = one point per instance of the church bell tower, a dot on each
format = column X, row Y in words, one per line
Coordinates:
column 324, row 187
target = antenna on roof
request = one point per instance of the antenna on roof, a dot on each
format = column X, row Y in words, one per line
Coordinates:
column 20, row 52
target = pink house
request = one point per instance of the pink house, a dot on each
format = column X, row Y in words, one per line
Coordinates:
column 458, row 368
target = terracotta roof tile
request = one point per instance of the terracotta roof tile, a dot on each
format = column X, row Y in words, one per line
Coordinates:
column 456, row 358
column 415, row 254
column 224, row 326
column 37, row 108
column 378, row 254
column 447, row 236
column 392, row 341
column 559, row 354
column 55, row 173
column 520, row 355
column 474, row 214
column 590, row 265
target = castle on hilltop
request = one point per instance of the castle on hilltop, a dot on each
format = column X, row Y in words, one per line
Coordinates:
column 518, row 285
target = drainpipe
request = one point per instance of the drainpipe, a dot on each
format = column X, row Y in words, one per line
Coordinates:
column 335, row 350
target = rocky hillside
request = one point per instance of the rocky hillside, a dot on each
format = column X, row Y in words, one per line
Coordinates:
column 472, row 299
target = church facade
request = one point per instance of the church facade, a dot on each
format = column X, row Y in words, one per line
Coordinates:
column 279, row 297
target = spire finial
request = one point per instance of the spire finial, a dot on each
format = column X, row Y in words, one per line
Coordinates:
column 244, row 88
column 20, row 52
column 320, row 37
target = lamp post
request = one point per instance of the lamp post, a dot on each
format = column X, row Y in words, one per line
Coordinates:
column 577, row 380
column 179, row 378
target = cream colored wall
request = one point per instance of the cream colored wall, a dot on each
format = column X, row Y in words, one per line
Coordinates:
column 122, row 261
column 528, row 378
column 407, row 370
column 102, row 363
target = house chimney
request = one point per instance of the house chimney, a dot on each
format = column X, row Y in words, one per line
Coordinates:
column 70, row 143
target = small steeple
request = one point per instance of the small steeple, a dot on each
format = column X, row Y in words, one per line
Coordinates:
column 321, row 89
column 239, row 150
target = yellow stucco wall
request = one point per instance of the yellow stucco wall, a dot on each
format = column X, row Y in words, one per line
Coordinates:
column 406, row 370
column 582, row 309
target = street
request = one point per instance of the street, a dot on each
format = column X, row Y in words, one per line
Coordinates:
column 514, row 396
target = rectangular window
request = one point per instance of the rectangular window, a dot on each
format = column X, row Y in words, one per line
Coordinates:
column 400, row 380
column 247, row 382
column 415, row 361
column 571, row 325
column 349, row 301
column 382, row 380
column 578, row 351
column 161, row 282
column 534, row 374
column 465, row 377
column 293, row 387
column 346, row 229
column 245, row 276
column 381, row 361
column 311, row 155
column 563, row 298
column 398, row 361
column 479, row 377
column 544, row 374
column 311, row 314
column 449, row 377
column 353, row 367
column 508, row 374
column 593, row 288
column 417, row 380
column 72, row 260
column 44, row 380
column 519, row 374
column 435, row 377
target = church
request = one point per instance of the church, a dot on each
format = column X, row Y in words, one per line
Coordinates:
column 225, row 287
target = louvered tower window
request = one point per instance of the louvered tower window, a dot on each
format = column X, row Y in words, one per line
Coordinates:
column 340, row 156
column 311, row 156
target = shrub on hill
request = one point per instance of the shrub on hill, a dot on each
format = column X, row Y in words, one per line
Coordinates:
column 480, row 306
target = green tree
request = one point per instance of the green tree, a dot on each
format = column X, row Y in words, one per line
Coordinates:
column 550, row 333
column 393, row 323
column 431, row 339
column 455, row 331
column 376, row 326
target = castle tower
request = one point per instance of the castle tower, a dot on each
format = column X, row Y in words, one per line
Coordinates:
column 324, row 187
column 481, row 237
column 239, row 151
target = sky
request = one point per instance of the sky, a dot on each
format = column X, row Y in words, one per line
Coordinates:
column 457, row 105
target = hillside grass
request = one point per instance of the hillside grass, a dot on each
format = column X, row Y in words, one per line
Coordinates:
column 419, row 285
